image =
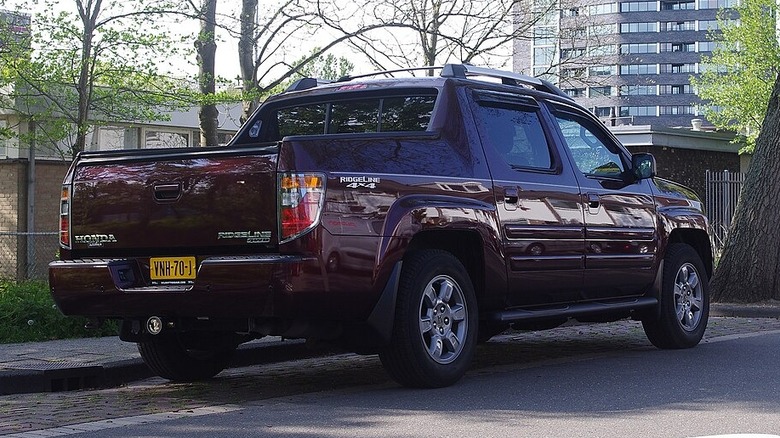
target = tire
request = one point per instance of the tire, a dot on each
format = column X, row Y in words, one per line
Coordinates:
column 435, row 328
column 167, row 357
column 684, row 303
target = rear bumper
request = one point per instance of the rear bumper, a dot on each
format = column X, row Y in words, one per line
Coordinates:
column 260, row 286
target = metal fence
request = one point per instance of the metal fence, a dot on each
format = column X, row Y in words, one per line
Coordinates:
column 721, row 197
column 25, row 256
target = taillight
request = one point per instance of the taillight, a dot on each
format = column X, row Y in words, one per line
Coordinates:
column 301, row 197
column 65, row 217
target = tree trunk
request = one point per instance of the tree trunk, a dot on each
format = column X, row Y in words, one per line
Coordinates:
column 206, row 47
column 84, row 86
column 246, row 54
column 748, row 269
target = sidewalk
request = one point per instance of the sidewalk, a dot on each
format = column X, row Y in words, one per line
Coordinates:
column 71, row 364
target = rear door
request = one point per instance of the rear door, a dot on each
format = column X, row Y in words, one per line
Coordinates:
column 537, row 198
column 620, row 221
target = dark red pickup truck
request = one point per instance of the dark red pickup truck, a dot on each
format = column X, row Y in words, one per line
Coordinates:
column 406, row 217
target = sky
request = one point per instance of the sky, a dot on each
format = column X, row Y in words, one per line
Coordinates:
column 227, row 65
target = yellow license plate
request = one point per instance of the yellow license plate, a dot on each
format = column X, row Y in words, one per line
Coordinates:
column 172, row 268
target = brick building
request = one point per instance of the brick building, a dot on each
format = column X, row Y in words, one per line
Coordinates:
column 684, row 155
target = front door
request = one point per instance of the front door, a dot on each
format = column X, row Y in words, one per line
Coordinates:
column 538, row 202
column 620, row 221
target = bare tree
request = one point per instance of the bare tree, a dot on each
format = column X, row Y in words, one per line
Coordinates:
column 270, row 41
column 411, row 33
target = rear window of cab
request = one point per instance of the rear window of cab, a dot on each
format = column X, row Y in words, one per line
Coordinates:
column 353, row 114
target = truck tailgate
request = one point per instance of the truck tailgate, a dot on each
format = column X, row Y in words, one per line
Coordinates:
column 189, row 201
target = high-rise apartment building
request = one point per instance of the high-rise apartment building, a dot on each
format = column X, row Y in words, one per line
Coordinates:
column 629, row 61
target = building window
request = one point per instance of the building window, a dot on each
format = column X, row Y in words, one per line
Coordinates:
column 602, row 111
column 574, row 92
column 638, row 6
column 678, row 47
column 609, row 8
column 602, row 30
column 607, row 50
column 638, row 27
column 574, row 33
column 676, row 110
column 626, row 111
column 676, row 26
column 709, row 25
column 707, row 46
column 627, row 49
column 600, row 91
column 577, row 72
column 637, row 90
column 678, row 5
column 571, row 12
column 111, row 138
column 572, row 53
column 159, row 138
column 639, row 69
column 717, row 4
column 544, row 55
column 601, row 70
column 544, row 35
column 678, row 68
column 675, row 89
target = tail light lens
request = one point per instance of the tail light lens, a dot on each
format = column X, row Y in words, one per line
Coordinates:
column 301, row 198
column 65, row 217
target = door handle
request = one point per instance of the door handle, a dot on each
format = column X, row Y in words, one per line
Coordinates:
column 511, row 196
column 594, row 202
column 167, row 192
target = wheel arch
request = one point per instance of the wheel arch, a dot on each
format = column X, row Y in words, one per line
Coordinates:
column 466, row 245
column 699, row 241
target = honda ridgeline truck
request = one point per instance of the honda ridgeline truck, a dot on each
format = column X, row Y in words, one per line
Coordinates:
column 409, row 217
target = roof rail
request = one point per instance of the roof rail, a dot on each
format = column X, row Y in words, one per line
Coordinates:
column 507, row 77
column 306, row 83
column 387, row 72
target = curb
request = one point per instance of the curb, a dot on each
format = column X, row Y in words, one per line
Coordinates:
column 76, row 376
column 744, row 310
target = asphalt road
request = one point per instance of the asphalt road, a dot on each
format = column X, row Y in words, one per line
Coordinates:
column 575, row 384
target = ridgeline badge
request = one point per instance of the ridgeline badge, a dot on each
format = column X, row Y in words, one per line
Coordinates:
column 250, row 236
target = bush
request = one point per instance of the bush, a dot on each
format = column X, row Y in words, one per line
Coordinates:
column 28, row 313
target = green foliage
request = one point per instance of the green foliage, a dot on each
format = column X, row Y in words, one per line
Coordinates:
column 28, row 314
column 741, row 71
column 324, row 67
column 71, row 72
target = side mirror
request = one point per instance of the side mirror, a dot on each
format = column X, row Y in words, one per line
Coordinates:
column 643, row 165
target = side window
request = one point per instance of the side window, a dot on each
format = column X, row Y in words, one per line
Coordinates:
column 588, row 149
column 516, row 134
